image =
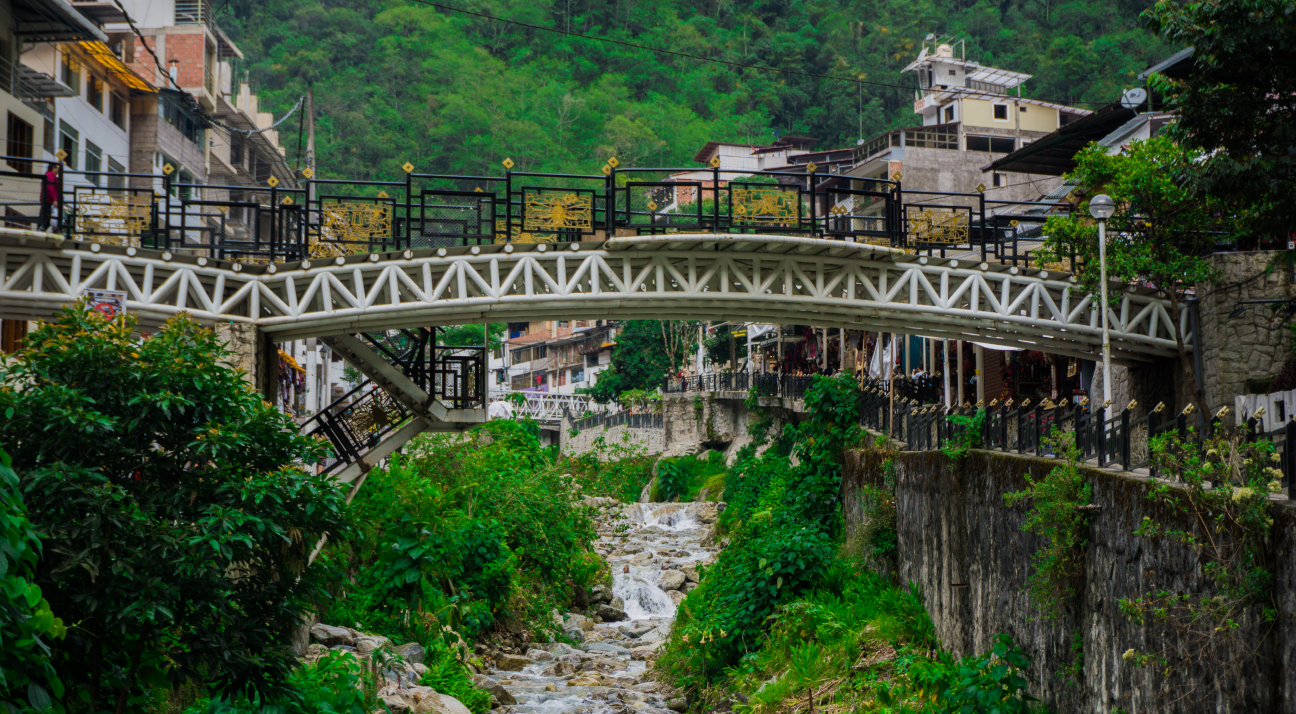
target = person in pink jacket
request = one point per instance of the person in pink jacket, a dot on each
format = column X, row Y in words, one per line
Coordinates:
column 49, row 195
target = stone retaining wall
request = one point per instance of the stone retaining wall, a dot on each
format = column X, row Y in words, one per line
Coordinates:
column 966, row 550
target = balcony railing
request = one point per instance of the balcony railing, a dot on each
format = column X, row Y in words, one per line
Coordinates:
column 189, row 12
column 20, row 82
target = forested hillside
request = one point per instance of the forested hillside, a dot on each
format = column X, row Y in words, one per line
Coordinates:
column 398, row 80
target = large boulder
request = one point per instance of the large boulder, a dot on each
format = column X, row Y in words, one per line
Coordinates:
column 512, row 663
column 330, row 636
column 691, row 573
column 670, row 580
column 676, row 597
column 435, row 703
column 611, row 614
column 496, row 690
column 412, row 652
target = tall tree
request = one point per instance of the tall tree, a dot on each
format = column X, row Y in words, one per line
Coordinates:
column 175, row 518
column 1238, row 102
column 1158, row 237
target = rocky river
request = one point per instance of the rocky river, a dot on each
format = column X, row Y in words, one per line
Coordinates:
column 654, row 550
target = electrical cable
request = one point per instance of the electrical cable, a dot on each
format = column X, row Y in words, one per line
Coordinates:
column 623, row 43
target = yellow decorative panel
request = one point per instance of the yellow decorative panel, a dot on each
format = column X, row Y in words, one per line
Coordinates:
column 558, row 212
column 765, row 206
column 346, row 225
column 118, row 219
column 934, row 225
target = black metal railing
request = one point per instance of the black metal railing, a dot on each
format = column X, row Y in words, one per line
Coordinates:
column 326, row 218
column 599, row 420
column 356, row 423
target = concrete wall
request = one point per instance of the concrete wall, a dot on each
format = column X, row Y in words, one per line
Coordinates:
column 967, row 551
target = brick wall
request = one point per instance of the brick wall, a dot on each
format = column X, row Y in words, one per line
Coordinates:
column 143, row 63
column 188, row 50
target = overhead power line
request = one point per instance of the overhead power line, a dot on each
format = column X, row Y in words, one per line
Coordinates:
column 700, row 58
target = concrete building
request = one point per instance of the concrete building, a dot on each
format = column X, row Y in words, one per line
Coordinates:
column 969, row 118
column 28, row 95
column 554, row 356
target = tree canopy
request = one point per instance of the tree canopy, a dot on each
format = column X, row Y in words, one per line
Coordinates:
column 399, row 80
column 174, row 520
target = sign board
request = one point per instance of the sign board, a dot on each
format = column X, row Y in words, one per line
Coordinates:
column 109, row 303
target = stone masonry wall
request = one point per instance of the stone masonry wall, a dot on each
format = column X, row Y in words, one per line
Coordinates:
column 699, row 421
column 1241, row 355
column 967, row 552
column 651, row 441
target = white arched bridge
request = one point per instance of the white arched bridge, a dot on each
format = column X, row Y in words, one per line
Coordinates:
column 763, row 278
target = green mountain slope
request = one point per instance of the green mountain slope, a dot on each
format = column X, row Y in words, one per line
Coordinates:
column 400, row 81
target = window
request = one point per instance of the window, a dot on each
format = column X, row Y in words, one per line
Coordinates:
column 94, row 91
column 48, row 139
column 992, row 144
column 181, row 119
column 236, row 152
column 94, row 162
column 1023, row 109
column 562, row 323
column 949, row 114
column 69, row 138
column 71, row 73
column 577, row 375
column 953, row 73
column 185, row 189
column 936, row 137
column 998, row 180
column 1001, row 112
column 117, row 110
column 20, row 144
column 592, row 360
column 115, row 171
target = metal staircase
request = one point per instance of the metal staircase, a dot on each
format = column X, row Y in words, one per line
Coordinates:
column 414, row 385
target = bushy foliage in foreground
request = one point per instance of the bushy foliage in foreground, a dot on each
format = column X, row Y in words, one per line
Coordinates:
column 175, row 525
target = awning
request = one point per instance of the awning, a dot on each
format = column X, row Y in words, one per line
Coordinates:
column 291, row 362
column 52, row 21
column 997, row 348
column 111, row 62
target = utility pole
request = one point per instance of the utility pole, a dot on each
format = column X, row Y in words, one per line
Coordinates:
column 310, row 137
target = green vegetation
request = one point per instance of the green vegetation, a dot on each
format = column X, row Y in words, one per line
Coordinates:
column 879, row 539
column 1159, row 235
column 461, row 533
column 685, row 478
column 619, row 471
column 1228, row 108
column 27, row 676
column 641, row 358
column 971, row 431
column 400, row 81
column 335, row 684
column 1219, row 509
column 1058, row 514
column 174, row 527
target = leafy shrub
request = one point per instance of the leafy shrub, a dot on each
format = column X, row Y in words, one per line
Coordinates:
column 1058, row 515
column 684, row 478
column 336, row 683
column 613, row 470
column 26, row 675
column 174, row 521
column 448, row 676
column 969, row 434
column 992, row 683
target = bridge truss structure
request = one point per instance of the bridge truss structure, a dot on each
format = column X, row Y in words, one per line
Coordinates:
column 546, row 407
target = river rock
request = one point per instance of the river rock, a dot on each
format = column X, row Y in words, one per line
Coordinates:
column 585, row 680
column 512, row 663
column 579, row 623
column 708, row 539
column 676, row 597
column 691, row 573
column 641, row 558
column 611, row 614
column 670, row 580
column 606, row 647
column 652, row 530
column 600, row 594
column 369, row 643
column 330, row 636
column 561, row 649
column 496, row 690
column 677, row 704
column 412, row 652
column 538, row 655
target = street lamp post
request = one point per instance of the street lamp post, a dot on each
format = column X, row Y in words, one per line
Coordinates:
column 1101, row 207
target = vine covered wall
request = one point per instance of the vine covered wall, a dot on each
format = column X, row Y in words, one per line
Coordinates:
column 958, row 540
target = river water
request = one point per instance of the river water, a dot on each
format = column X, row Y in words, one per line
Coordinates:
column 650, row 548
